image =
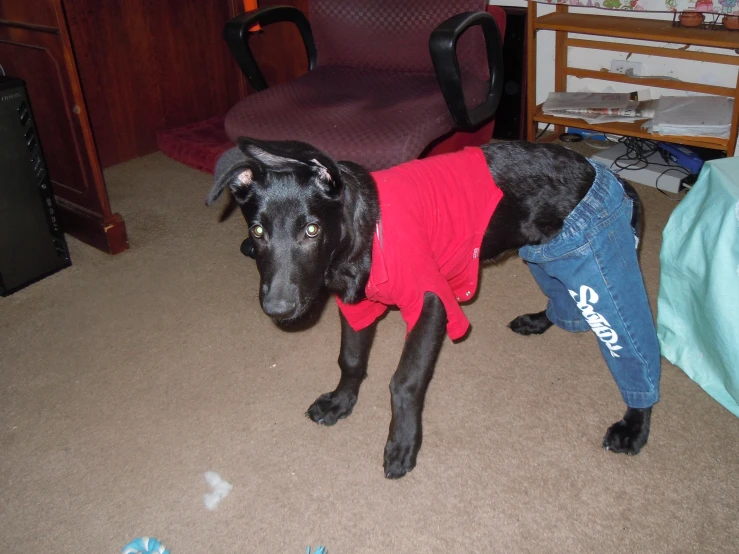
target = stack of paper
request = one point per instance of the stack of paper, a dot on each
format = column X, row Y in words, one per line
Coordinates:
column 696, row 116
column 598, row 107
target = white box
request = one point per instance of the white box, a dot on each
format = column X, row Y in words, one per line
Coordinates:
column 669, row 173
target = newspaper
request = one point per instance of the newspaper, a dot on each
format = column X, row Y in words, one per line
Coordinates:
column 693, row 115
column 584, row 100
column 599, row 107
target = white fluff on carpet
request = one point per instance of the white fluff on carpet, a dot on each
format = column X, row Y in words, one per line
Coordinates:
column 220, row 488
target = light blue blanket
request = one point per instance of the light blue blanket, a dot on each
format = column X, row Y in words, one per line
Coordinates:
column 698, row 304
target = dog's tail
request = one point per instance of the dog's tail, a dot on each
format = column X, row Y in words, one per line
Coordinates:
column 637, row 215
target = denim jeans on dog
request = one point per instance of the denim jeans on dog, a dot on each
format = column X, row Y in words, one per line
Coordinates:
column 591, row 275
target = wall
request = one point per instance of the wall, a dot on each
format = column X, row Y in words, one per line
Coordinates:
column 149, row 65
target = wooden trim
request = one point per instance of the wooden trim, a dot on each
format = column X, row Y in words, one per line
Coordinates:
column 560, row 58
column 655, row 30
column 649, row 81
column 106, row 230
column 560, row 63
column 531, row 71
column 731, row 146
column 29, row 26
column 104, row 233
column 653, row 51
column 80, row 110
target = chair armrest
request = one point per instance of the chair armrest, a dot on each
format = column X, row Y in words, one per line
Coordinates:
column 443, row 47
column 237, row 35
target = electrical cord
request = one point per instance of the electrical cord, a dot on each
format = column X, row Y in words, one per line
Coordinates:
column 541, row 133
column 656, row 182
column 636, row 157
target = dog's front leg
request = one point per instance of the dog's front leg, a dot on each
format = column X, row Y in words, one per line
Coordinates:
column 409, row 384
column 355, row 349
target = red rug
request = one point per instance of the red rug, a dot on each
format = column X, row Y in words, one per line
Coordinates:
column 197, row 145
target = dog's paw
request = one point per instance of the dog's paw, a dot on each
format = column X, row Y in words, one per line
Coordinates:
column 530, row 324
column 629, row 435
column 331, row 407
column 400, row 458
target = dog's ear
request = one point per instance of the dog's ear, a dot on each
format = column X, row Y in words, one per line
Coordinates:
column 271, row 154
column 294, row 156
column 327, row 180
column 238, row 180
column 237, row 172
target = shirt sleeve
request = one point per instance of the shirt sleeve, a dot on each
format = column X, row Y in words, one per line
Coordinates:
column 425, row 277
column 362, row 314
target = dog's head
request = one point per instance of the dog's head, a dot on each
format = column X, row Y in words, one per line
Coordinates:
column 291, row 195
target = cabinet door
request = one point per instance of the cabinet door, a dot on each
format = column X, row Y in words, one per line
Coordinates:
column 35, row 47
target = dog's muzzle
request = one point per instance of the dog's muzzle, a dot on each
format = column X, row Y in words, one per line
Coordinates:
column 279, row 302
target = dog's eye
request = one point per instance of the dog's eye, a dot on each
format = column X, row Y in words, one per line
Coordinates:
column 312, row 230
column 257, row 231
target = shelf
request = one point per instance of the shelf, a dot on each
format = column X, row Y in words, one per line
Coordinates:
column 641, row 82
column 636, row 28
column 626, row 30
column 631, row 130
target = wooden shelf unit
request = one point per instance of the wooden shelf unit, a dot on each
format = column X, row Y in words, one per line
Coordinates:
column 562, row 23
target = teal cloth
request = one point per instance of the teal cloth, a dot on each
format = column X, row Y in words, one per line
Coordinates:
column 698, row 303
column 145, row 545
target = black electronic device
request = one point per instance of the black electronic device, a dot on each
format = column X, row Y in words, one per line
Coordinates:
column 510, row 119
column 32, row 244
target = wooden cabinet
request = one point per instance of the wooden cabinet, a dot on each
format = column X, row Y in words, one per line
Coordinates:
column 149, row 65
column 35, row 46
column 104, row 76
column 563, row 23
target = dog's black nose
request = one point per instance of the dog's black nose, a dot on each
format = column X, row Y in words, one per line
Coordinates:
column 278, row 308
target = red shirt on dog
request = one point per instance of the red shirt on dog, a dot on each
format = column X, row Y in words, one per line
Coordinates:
column 433, row 215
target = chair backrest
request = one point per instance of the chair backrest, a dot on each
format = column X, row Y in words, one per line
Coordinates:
column 389, row 34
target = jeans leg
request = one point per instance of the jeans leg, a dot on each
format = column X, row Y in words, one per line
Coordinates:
column 609, row 292
column 561, row 309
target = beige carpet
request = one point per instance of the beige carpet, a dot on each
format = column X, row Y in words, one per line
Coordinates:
column 125, row 378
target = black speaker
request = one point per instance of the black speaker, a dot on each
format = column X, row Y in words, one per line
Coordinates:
column 32, row 244
column 510, row 119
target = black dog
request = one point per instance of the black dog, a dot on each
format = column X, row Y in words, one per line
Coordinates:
column 312, row 222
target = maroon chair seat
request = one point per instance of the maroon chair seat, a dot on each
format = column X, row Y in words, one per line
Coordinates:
column 373, row 94
column 375, row 118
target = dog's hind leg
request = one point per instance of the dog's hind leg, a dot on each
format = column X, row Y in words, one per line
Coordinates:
column 355, row 349
column 531, row 324
column 629, row 435
column 409, row 384
column 561, row 309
